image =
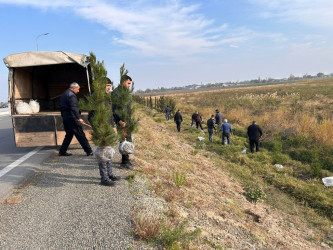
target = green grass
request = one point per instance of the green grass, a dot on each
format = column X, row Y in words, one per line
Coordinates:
column 259, row 168
column 179, row 178
column 177, row 237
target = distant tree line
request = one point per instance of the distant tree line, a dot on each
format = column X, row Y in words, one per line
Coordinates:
column 158, row 103
column 259, row 80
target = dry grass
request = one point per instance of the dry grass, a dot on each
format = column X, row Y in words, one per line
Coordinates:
column 298, row 108
column 16, row 199
column 213, row 201
column 146, row 227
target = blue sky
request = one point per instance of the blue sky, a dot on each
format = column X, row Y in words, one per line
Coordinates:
column 176, row 43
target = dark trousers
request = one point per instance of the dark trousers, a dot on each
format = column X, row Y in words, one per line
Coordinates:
column 224, row 136
column 105, row 170
column 210, row 132
column 167, row 116
column 125, row 159
column 198, row 124
column 178, row 126
column 72, row 128
column 254, row 142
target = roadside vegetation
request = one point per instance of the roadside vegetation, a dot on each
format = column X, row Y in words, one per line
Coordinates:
column 224, row 193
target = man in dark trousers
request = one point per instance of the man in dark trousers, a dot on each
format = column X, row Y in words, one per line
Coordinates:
column 105, row 168
column 218, row 117
column 194, row 115
column 72, row 120
column 226, row 131
column 178, row 119
column 211, row 127
column 122, row 112
column 167, row 112
column 198, row 120
column 254, row 132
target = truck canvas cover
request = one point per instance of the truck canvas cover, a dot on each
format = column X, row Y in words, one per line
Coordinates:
column 38, row 58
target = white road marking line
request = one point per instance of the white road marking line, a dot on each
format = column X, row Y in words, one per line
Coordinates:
column 19, row 161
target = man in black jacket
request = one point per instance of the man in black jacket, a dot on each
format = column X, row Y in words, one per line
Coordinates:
column 194, row 115
column 72, row 120
column 210, row 127
column 178, row 119
column 254, row 132
column 122, row 112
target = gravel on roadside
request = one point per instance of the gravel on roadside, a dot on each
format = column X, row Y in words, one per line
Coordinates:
column 64, row 207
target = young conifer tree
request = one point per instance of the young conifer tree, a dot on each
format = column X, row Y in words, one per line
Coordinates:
column 102, row 131
column 124, row 105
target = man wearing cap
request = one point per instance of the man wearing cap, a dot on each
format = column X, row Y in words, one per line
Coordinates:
column 72, row 120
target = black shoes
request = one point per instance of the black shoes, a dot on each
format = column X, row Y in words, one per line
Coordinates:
column 127, row 165
column 90, row 154
column 64, row 154
column 107, row 183
column 114, row 178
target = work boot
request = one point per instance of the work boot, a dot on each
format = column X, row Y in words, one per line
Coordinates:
column 90, row 153
column 114, row 178
column 65, row 154
column 126, row 165
column 107, row 183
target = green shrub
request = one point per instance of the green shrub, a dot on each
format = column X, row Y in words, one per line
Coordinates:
column 254, row 194
column 240, row 132
column 279, row 158
column 200, row 145
column 277, row 144
column 130, row 178
column 302, row 155
column 159, row 119
column 327, row 162
column 297, row 141
column 179, row 178
column 315, row 164
column 177, row 237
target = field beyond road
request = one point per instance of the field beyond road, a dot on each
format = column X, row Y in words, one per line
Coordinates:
column 203, row 189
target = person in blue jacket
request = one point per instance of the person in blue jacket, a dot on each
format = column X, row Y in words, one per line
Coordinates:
column 167, row 112
column 226, row 131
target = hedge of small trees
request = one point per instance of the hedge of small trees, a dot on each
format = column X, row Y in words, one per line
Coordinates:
column 158, row 103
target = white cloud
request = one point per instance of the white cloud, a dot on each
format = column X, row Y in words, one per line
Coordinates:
column 171, row 29
column 308, row 12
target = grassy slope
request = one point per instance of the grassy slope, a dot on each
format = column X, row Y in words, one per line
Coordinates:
column 212, row 197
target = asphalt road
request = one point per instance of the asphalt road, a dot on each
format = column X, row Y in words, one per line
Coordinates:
column 62, row 205
column 16, row 164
